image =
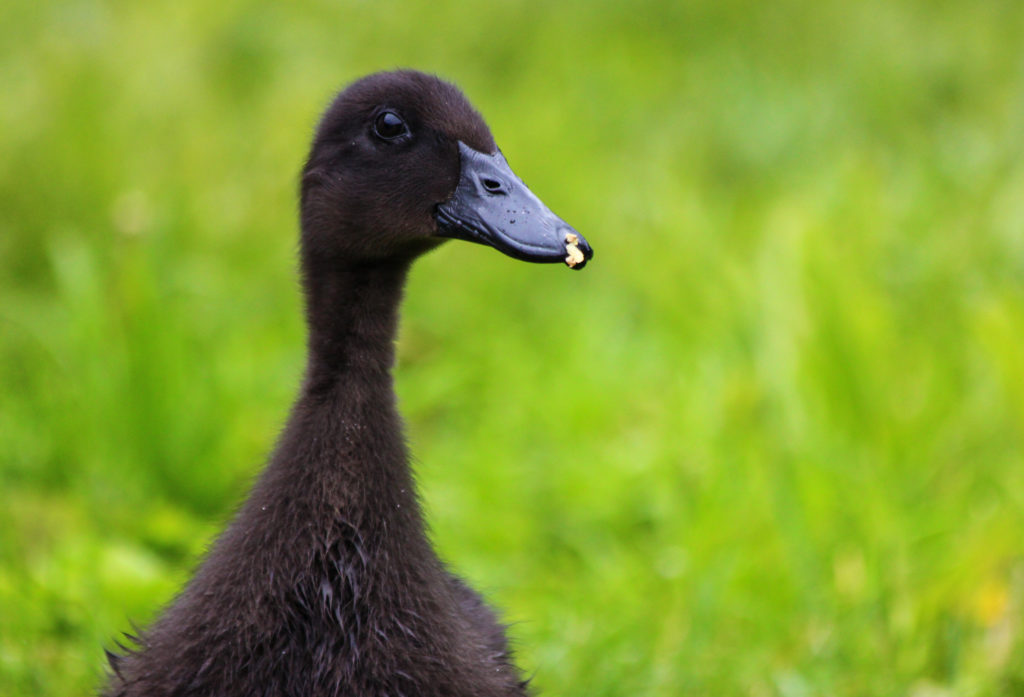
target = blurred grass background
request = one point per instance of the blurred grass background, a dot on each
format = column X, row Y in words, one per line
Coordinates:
column 769, row 443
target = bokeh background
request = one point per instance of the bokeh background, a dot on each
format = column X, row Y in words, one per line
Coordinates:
column 770, row 442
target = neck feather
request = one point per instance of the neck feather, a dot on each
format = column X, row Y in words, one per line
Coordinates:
column 352, row 313
column 343, row 452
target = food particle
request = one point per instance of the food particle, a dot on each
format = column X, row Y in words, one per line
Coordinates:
column 575, row 255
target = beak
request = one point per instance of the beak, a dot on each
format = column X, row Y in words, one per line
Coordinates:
column 492, row 206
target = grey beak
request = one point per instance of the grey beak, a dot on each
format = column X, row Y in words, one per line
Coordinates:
column 492, row 206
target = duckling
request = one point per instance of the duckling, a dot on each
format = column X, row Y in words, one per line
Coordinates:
column 324, row 583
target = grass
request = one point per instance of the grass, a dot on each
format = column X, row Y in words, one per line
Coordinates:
column 771, row 442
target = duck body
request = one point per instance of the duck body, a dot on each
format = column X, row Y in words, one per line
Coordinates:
column 325, row 582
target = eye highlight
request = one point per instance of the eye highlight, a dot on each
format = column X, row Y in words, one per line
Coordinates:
column 389, row 126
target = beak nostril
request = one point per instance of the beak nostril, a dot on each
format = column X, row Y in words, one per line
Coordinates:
column 492, row 185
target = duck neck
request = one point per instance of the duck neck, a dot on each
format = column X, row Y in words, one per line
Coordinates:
column 352, row 313
column 338, row 489
column 343, row 448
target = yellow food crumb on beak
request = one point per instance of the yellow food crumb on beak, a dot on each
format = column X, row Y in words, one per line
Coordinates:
column 575, row 255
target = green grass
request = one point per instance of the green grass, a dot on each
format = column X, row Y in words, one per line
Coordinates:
column 771, row 442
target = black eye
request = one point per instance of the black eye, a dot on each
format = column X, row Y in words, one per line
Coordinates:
column 388, row 125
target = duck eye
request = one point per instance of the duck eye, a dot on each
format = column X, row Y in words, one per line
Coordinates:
column 388, row 125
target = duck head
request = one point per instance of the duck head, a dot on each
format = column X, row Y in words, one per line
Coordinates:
column 401, row 162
